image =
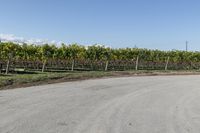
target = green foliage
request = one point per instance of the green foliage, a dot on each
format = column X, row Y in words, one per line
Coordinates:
column 93, row 53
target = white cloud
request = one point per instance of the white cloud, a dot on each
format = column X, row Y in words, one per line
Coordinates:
column 10, row 37
column 15, row 39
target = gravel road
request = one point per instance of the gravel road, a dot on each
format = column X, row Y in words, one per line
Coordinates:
column 152, row 104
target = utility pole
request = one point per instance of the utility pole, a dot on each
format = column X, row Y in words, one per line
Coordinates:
column 186, row 46
column 135, row 46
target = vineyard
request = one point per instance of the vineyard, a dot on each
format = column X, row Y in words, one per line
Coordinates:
column 92, row 58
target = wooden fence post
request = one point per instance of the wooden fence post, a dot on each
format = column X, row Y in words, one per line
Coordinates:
column 106, row 68
column 73, row 62
column 136, row 64
column 1, row 67
column 43, row 66
column 8, row 63
column 166, row 65
column 7, row 66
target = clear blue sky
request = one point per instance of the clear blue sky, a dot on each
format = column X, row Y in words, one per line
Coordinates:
column 161, row 24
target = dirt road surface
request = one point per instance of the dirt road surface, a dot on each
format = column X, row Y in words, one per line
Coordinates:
column 151, row 104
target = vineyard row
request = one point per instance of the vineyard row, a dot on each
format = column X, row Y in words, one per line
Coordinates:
column 96, row 57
